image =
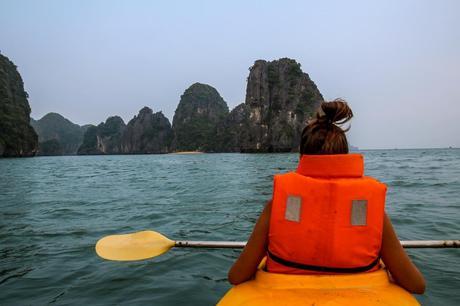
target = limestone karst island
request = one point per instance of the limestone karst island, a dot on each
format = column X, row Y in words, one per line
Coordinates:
column 280, row 98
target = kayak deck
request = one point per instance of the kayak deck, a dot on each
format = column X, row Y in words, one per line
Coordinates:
column 372, row 288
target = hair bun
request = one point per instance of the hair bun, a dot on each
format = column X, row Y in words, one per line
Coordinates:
column 336, row 111
column 323, row 135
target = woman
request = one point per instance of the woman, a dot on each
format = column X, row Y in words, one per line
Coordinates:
column 326, row 218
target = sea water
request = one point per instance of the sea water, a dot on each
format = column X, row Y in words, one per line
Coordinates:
column 54, row 209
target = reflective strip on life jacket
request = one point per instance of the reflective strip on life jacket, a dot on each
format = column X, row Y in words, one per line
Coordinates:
column 326, row 221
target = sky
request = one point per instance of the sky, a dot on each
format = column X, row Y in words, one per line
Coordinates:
column 396, row 62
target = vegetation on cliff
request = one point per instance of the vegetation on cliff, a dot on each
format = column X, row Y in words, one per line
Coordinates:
column 51, row 147
column 104, row 138
column 67, row 136
column 280, row 99
column 233, row 129
column 147, row 132
column 200, row 110
column 17, row 137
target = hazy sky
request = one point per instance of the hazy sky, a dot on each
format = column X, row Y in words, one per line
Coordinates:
column 396, row 62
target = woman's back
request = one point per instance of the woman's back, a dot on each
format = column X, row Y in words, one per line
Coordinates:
column 327, row 221
column 321, row 222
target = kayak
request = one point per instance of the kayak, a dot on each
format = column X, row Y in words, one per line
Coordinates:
column 371, row 288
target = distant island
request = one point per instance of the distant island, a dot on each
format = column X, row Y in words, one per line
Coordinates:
column 58, row 135
column 280, row 99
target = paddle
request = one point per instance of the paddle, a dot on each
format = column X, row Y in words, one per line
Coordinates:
column 148, row 244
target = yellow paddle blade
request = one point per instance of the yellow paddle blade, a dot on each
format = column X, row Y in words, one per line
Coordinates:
column 135, row 246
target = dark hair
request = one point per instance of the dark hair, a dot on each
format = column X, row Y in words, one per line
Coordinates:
column 323, row 135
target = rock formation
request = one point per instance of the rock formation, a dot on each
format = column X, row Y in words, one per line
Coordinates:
column 200, row 110
column 51, row 147
column 280, row 99
column 233, row 129
column 104, row 138
column 147, row 133
column 17, row 137
column 67, row 136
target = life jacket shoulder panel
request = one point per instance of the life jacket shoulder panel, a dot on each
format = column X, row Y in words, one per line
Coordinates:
column 333, row 222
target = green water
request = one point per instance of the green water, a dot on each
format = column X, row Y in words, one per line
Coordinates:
column 54, row 209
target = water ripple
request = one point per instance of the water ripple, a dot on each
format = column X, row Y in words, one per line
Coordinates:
column 54, row 209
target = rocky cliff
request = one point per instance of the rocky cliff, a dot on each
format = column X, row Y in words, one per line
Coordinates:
column 200, row 110
column 51, row 147
column 104, row 138
column 67, row 136
column 280, row 99
column 17, row 137
column 147, row 132
column 233, row 130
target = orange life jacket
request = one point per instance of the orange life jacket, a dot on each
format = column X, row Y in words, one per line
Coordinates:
column 326, row 217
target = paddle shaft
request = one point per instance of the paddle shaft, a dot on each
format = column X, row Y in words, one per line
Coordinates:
column 412, row 244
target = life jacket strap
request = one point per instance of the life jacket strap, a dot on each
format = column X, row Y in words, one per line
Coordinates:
column 301, row 266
